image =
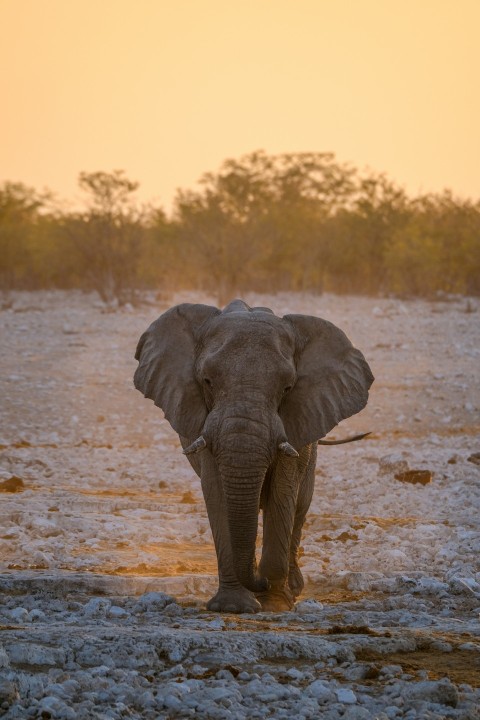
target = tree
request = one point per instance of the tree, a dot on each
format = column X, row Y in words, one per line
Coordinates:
column 258, row 222
column 438, row 249
column 20, row 208
column 294, row 221
column 108, row 236
column 163, row 263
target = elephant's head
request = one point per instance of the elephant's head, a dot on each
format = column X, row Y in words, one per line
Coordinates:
column 249, row 385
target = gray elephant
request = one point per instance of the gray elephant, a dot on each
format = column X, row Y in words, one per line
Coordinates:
column 250, row 394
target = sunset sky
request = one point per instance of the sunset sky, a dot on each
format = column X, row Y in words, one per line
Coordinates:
column 168, row 89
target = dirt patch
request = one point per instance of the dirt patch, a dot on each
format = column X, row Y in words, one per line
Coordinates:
column 460, row 666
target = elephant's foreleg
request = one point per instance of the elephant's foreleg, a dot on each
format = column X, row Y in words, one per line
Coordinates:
column 231, row 595
column 279, row 504
column 305, row 493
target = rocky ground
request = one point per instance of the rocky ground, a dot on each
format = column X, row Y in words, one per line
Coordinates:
column 106, row 558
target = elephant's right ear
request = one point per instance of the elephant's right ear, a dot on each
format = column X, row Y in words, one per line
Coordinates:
column 165, row 374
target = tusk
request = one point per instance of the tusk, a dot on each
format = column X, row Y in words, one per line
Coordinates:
column 346, row 440
column 197, row 446
column 287, row 449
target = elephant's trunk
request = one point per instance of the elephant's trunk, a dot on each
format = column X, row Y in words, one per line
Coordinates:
column 243, row 456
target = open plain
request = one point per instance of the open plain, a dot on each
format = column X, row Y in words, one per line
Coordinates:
column 106, row 557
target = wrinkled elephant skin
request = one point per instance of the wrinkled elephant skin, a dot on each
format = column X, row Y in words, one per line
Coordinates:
column 250, row 394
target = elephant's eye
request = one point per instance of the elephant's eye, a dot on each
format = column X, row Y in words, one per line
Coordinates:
column 207, row 382
column 287, row 389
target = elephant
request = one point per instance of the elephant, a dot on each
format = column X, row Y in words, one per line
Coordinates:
column 250, row 394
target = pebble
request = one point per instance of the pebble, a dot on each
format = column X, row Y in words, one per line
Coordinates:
column 254, row 687
column 19, row 615
column 145, row 700
column 117, row 612
column 391, row 670
column 36, row 615
column 346, row 696
column 392, row 463
column 391, row 711
column 464, row 586
column 172, row 702
column 217, row 624
column 4, row 659
column 294, row 674
column 320, row 690
column 470, row 647
column 54, row 707
column 153, row 601
column 356, row 712
column 220, row 693
column 97, row 607
column 173, row 610
column 442, row 692
column 8, row 691
column 305, row 607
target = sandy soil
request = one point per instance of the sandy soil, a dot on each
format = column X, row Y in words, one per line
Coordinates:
column 108, row 508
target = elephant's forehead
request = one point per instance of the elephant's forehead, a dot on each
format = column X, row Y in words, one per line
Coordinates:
column 250, row 329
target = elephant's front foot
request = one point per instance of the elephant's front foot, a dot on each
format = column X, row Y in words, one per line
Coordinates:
column 295, row 580
column 278, row 599
column 234, row 600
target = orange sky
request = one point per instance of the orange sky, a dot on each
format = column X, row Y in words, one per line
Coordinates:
column 167, row 89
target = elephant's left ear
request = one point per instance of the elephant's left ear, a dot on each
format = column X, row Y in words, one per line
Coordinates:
column 166, row 355
column 333, row 379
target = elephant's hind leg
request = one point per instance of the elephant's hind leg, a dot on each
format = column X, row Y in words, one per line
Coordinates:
column 305, row 494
